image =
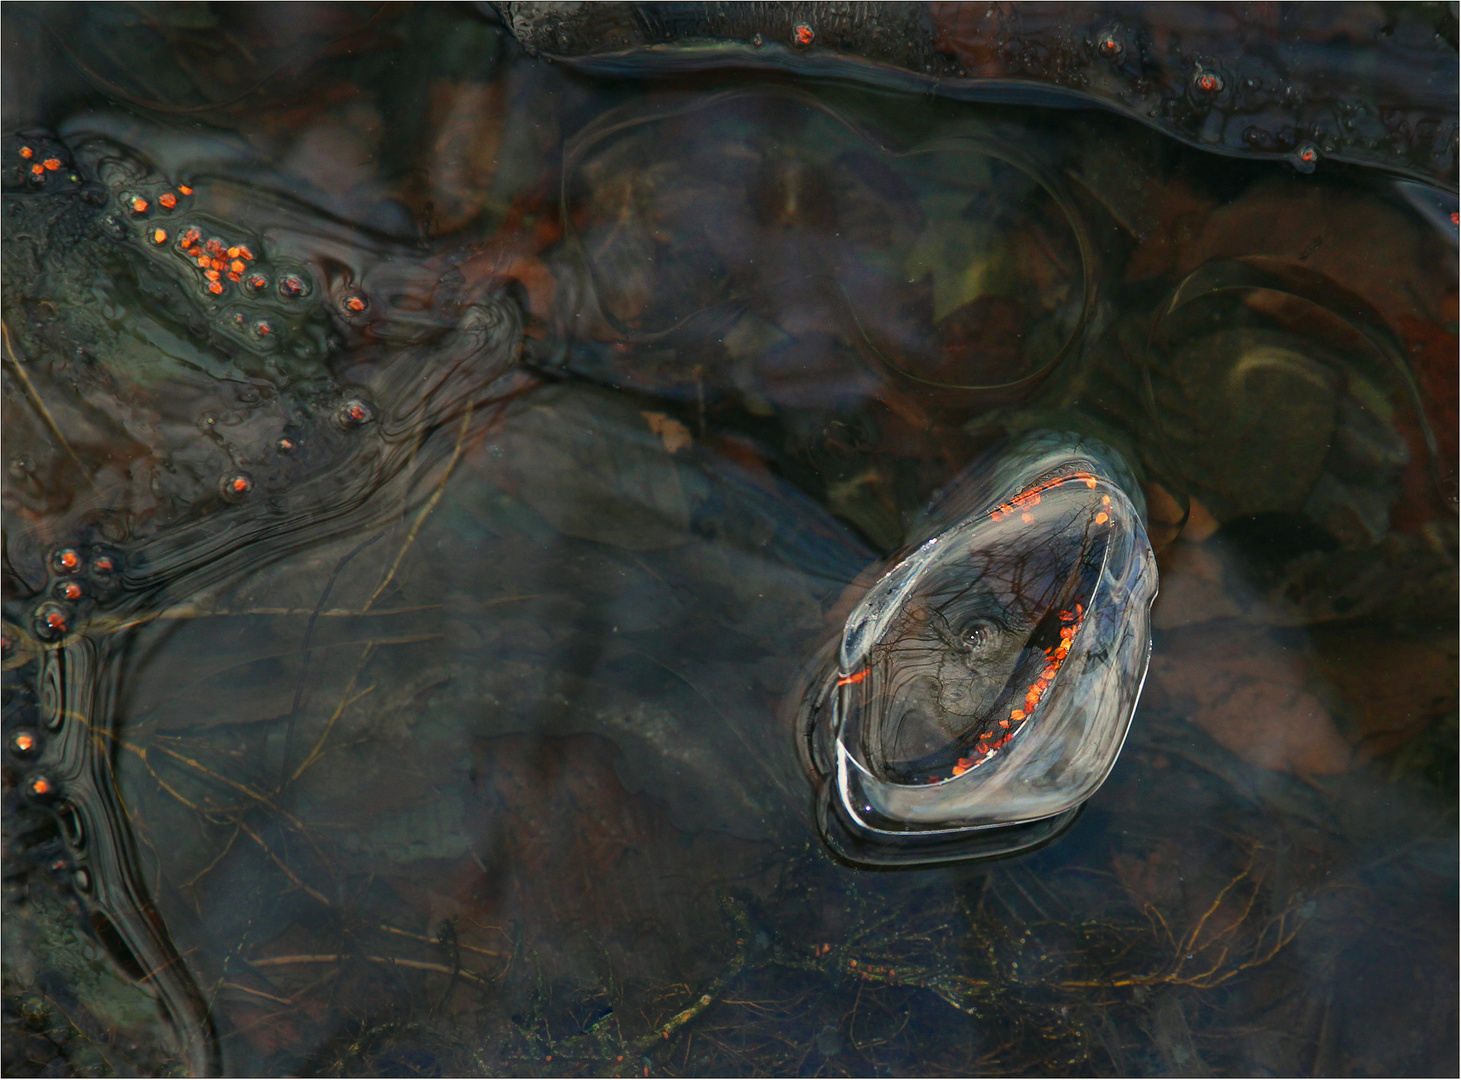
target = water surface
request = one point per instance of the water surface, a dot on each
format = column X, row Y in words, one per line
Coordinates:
column 403, row 638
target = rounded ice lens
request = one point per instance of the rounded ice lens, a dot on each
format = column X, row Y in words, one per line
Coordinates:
column 984, row 685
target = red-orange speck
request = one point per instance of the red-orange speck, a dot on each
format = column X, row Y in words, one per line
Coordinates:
column 139, row 205
column 103, row 564
column 38, row 169
column 1101, row 519
column 184, row 189
column 27, row 153
column 803, row 34
column 355, row 303
column 239, row 483
column 40, row 786
column 69, row 560
column 71, row 591
column 24, row 742
column 263, row 329
column 55, row 620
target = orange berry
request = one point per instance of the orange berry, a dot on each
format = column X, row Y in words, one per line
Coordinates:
column 168, row 199
column 27, row 153
column 52, row 163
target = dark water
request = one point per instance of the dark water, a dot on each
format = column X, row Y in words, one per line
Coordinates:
column 403, row 637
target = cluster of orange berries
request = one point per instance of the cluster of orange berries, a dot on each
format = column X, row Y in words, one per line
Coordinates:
column 55, row 617
column 1031, row 497
column 39, row 168
column 219, row 262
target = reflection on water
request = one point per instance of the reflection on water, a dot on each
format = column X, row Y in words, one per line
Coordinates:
column 437, row 478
